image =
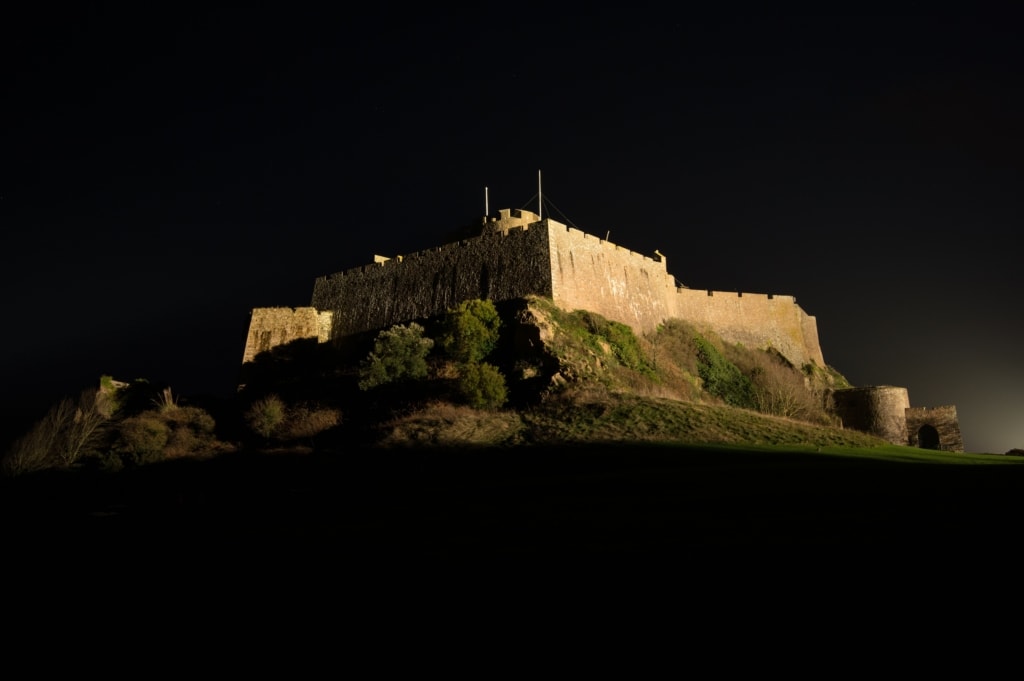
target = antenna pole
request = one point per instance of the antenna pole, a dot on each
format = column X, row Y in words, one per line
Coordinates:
column 540, row 198
column 487, row 209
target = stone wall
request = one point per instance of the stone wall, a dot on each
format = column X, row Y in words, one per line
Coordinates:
column 270, row 327
column 497, row 265
column 878, row 410
column 518, row 254
column 934, row 428
column 754, row 320
column 588, row 273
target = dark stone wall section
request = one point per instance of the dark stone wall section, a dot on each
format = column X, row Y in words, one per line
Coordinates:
column 495, row 266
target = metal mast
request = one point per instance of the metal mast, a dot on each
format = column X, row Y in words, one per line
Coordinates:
column 540, row 199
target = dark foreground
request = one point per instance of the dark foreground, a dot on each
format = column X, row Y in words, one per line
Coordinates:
column 359, row 507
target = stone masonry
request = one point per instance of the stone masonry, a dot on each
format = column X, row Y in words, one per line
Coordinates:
column 518, row 254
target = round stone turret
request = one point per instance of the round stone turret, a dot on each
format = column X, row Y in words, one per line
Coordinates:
column 877, row 410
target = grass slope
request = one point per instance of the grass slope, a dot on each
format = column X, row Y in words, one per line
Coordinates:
column 440, row 503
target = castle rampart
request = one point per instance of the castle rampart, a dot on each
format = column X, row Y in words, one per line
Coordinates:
column 270, row 327
column 593, row 274
column 756, row 320
column 518, row 254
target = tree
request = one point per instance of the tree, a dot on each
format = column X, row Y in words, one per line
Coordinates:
column 398, row 353
column 469, row 332
column 69, row 430
column 782, row 390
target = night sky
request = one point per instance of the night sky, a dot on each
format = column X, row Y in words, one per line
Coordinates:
column 165, row 173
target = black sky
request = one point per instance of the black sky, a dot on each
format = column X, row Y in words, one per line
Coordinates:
column 165, row 172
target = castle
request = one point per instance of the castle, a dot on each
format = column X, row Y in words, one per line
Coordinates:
column 518, row 254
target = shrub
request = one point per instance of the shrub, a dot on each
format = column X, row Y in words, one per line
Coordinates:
column 161, row 433
column 780, row 390
column 195, row 419
column 191, row 431
column 482, row 385
column 470, row 332
column 265, row 416
column 627, row 347
column 722, row 378
column 398, row 353
column 142, row 438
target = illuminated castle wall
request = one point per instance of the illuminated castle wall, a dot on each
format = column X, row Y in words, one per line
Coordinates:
column 519, row 254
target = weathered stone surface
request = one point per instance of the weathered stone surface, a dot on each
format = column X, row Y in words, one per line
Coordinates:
column 934, row 428
column 879, row 410
column 518, row 255
column 270, row 327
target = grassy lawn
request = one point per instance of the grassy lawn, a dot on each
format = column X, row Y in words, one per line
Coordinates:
column 526, row 502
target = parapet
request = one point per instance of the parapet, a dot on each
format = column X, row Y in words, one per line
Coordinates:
column 510, row 218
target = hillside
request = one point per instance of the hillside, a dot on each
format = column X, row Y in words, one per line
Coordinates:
column 606, row 444
column 523, row 373
column 580, row 378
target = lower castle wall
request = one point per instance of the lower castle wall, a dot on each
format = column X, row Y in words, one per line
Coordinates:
column 754, row 320
column 270, row 327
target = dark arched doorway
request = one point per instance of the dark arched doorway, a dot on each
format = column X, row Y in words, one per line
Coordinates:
column 927, row 437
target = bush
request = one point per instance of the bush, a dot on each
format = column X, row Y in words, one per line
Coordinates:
column 161, row 433
column 482, row 385
column 780, row 390
column 398, row 353
column 191, row 431
column 470, row 332
column 722, row 378
column 265, row 416
column 142, row 438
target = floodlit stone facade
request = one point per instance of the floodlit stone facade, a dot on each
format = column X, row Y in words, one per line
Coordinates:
column 270, row 327
column 518, row 254
column 885, row 411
